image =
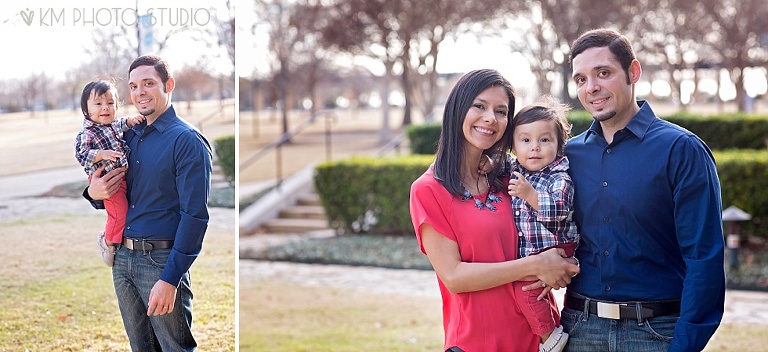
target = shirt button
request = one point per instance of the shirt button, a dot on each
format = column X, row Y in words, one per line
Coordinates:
column 517, row 212
column 127, row 227
column 608, row 150
column 605, row 184
column 607, row 287
column 606, row 253
column 137, row 161
column 133, row 206
column 605, row 219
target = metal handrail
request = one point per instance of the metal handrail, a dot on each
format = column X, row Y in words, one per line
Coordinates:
column 199, row 124
column 393, row 144
column 285, row 137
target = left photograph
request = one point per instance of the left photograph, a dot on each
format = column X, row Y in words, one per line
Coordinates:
column 117, row 176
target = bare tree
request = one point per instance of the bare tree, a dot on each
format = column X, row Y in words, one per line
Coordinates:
column 193, row 82
column 673, row 32
column 30, row 89
column 282, row 19
column 405, row 35
column 368, row 27
column 538, row 43
column 568, row 19
column 422, row 32
column 739, row 25
column 115, row 60
column 225, row 29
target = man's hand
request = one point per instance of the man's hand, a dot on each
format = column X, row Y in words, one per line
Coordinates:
column 105, row 186
column 161, row 298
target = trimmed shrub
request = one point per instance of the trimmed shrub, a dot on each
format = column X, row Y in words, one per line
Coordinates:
column 224, row 148
column 744, row 183
column 423, row 138
column 369, row 195
column 722, row 131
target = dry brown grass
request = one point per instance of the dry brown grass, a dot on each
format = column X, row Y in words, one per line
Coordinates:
column 58, row 296
column 46, row 141
column 279, row 317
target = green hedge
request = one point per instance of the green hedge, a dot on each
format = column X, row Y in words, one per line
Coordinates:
column 744, row 182
column 423, row 138
column 224, row 148
column 368, row 195
column 721, row 131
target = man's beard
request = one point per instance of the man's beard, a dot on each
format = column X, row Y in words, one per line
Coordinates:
column 604, row 116
column 147, row 113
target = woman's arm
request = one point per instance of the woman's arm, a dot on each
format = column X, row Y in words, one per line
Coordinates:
column 458, row 276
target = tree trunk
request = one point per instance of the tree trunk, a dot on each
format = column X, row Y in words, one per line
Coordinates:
column 385, row 133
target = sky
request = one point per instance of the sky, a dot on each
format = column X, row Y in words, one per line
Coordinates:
column 50, row 36
column 468, row 52
column 465, row 54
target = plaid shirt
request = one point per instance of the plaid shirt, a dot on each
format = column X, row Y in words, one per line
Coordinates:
column 553, row 223
column 94, row 137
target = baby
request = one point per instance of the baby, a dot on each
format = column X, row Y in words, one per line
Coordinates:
column 99, row 144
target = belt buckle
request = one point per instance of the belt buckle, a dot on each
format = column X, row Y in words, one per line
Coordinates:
column 146, row 244
column 609, row 310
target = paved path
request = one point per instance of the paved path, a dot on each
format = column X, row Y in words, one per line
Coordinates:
column 35, row 183
column 741, row 307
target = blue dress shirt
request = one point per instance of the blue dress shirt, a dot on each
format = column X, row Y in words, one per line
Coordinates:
column 648, row 208
column 169, row 180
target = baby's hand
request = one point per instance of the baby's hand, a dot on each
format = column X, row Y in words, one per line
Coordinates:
column 135, row 120
column 520, row 187
column 107, row 155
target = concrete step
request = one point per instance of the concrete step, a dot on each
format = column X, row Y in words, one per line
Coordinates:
column 304, row 212
column 282, row 225
column 309, row 199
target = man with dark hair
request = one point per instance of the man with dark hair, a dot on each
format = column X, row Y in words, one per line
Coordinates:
column 648, row 206
column 168, row 181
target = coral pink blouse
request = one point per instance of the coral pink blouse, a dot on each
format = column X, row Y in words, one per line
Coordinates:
column 486, row 320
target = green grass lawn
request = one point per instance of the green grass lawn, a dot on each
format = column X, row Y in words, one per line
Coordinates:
column 58, row 296
column 278, row 317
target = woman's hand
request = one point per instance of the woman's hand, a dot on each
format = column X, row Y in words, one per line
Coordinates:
column 556, row 270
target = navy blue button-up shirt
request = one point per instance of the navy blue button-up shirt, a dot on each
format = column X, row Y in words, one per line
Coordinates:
column 169, row 180
column 648, row 208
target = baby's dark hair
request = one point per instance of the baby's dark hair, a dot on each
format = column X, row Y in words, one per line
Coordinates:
column 547, row 108
column 98, row 88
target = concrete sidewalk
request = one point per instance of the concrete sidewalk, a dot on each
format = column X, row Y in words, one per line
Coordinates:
column 741, row 307
column 36, row 183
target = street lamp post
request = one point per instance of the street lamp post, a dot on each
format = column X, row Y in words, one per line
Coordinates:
column 732, row 216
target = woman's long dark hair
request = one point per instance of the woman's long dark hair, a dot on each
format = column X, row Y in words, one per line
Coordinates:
column 451, row 148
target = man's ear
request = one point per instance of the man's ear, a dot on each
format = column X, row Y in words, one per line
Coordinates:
column 635, row 71
column 170, row 85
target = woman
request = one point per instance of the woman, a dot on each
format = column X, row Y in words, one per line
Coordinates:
column 464, row 224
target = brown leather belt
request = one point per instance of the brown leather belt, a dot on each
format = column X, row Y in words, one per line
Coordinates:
column 138, row 244
column 623, row 310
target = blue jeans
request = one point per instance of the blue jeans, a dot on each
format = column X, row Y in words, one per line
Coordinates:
column 591, row 333
column 134, row 274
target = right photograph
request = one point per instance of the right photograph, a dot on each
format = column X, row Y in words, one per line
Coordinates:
column 533, row 177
